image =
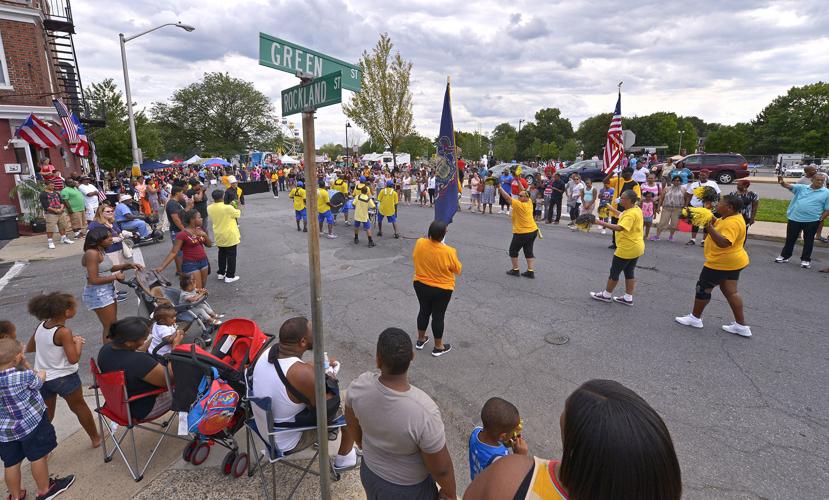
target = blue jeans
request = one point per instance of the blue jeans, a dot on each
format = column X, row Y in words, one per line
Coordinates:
column 136, row 226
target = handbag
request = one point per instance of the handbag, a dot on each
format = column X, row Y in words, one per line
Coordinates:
column 126, row 249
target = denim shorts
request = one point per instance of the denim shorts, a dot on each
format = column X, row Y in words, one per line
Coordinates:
column 98, row 296
column 61, row 386
column 191, row 266
column 36, row 445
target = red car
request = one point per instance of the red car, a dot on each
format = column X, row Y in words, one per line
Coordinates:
column 724, row 167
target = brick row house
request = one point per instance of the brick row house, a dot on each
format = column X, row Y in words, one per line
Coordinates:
column 37, row 64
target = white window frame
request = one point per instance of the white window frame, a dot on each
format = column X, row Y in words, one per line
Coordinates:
column 5, row 63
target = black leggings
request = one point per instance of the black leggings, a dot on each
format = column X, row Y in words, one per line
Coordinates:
column 524, row 241
column 574, row 211
column 275, row 188
column 227, row 261
column 619, row 264
column 433, row 303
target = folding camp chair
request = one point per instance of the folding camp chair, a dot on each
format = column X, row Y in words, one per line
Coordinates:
column 261, row 426
column 116, row 410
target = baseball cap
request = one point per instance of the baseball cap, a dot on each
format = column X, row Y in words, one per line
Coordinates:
column 389, row 183
column 300, row 184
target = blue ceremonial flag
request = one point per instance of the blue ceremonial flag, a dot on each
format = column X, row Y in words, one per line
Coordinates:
column 446, row 168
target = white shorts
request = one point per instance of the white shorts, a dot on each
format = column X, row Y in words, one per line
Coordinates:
column 89, row 213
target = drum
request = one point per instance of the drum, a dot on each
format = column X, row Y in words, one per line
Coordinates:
column 337, row 200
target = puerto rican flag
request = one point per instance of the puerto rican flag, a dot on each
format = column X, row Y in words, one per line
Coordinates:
column 81, row 148
column 35, row 131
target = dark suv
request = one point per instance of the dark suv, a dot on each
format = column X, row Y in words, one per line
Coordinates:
column 724, row 167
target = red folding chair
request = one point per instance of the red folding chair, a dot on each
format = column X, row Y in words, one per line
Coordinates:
column 116, row 410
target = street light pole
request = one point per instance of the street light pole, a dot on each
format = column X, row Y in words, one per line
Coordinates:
column 519, row 124
column 136, row 160
column 347, row 126
column 680, row 141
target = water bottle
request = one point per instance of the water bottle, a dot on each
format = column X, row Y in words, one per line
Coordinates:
column 325, row 363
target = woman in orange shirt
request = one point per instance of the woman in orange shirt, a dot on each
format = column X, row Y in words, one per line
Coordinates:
column 435, row 267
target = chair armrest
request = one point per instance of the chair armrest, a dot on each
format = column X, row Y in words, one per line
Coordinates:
column 146, row 394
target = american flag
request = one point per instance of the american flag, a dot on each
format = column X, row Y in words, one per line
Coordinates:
column 68, row 124
column 36, row 132
column 614, row 148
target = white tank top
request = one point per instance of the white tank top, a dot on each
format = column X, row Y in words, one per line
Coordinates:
column 50, row 357
column 266, row 383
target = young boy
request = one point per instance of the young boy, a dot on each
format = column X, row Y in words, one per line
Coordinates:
column 164, row 330
column 605, row 199
column 499, row 436
column 25, row 431
column 362, row 204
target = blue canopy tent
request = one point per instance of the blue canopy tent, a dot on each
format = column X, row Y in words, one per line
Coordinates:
column 216, row 162
column 150, row 165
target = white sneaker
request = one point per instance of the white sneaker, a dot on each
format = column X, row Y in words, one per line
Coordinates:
column 231, row 280
column 500, row 210
column 50, row 244
column 66, row 241
column 331, row 236
column 347, row 223
column 220, row 276
column 689, row 320
column 806, row 264
column 781, row 260
column 738, row 329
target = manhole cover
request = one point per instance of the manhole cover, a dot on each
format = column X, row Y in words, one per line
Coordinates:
column 556, row 339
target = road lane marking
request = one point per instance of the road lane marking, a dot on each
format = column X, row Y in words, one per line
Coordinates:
column 16, row 269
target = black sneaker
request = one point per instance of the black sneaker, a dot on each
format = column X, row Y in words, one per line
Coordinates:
column 528, row 274
column 380, row 234
column 600, row 296
column 57, row 485
column 356, row 240
column 514, row 272
column 396, row 236
column 612, row 247
column 304, row 229
column 419, row 344
column 440, row 352
column 371, row 244
column 622, row 300
column 298, row 228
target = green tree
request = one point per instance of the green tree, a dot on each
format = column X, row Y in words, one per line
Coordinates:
column 523, row 142
column 795, row 122
column 592, row 134
column 219, row 115
column 417, row 146
column 503, row 142
column 112, row 142
column 728, row 139
column 372, row 145
column 332, row 150
column 383, row 107
column 473, row 145
column 550, row 126
column 572, row 148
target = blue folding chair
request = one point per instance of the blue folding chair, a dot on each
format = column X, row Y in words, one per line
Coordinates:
column 261, row 433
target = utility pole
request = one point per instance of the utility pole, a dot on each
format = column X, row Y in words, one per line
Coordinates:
column 347, row 126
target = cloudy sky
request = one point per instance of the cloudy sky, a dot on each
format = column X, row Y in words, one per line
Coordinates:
column 720, row 60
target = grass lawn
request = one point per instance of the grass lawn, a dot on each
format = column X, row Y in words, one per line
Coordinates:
column 774, row 211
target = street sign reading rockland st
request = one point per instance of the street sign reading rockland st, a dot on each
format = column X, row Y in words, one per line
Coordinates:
column 318, row 93
column 286, row 56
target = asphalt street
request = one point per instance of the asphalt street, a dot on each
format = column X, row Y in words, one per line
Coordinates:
column 748, row 416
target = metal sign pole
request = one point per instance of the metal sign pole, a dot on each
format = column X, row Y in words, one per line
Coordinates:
column 316, row 299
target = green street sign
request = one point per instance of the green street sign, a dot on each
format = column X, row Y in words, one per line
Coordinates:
column 319, row 93
column 286, row 56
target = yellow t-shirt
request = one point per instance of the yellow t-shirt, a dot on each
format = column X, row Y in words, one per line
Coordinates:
column 323, row 201
column 225, row 227
column 735, row 257
column 358, row 189
column 341, row 186
column 619, row 186
column 361, row 205
column 630, row 243
column 522, row 217
column 435, row 264
column 388, row 200
column 274, row 177
column 298, row 195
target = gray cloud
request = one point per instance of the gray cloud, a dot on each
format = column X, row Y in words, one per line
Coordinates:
column 722, row 61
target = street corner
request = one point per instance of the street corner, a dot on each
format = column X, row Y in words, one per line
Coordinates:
column 33, row 248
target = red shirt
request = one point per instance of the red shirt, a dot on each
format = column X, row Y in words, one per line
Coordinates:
column 192, row 247
column 515, row 185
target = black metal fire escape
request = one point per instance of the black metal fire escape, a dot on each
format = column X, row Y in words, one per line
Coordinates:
column 59, row 28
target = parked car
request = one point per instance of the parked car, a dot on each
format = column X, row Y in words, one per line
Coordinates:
column 529, row 173
column 587, row 169
column 793, row 171
column 724, row 167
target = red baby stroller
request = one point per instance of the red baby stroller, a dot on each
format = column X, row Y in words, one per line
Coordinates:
column 236, row 347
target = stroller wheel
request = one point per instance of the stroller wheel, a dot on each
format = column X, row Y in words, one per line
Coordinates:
column 227, row 463
column 187, row 454
column 200, row 454
column 240, row 465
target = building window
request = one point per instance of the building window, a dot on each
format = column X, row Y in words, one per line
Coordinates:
column 5, row 83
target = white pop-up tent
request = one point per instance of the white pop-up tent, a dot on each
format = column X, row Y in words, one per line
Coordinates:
column 193, row 159
column 287, row 160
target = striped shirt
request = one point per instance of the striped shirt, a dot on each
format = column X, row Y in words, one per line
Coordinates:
column 21, row 405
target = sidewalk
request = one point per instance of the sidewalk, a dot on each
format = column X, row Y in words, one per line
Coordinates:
column 168, row 476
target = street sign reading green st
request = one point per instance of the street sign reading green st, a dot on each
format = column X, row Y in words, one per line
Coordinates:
column 286, row 56
column 320, row 92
